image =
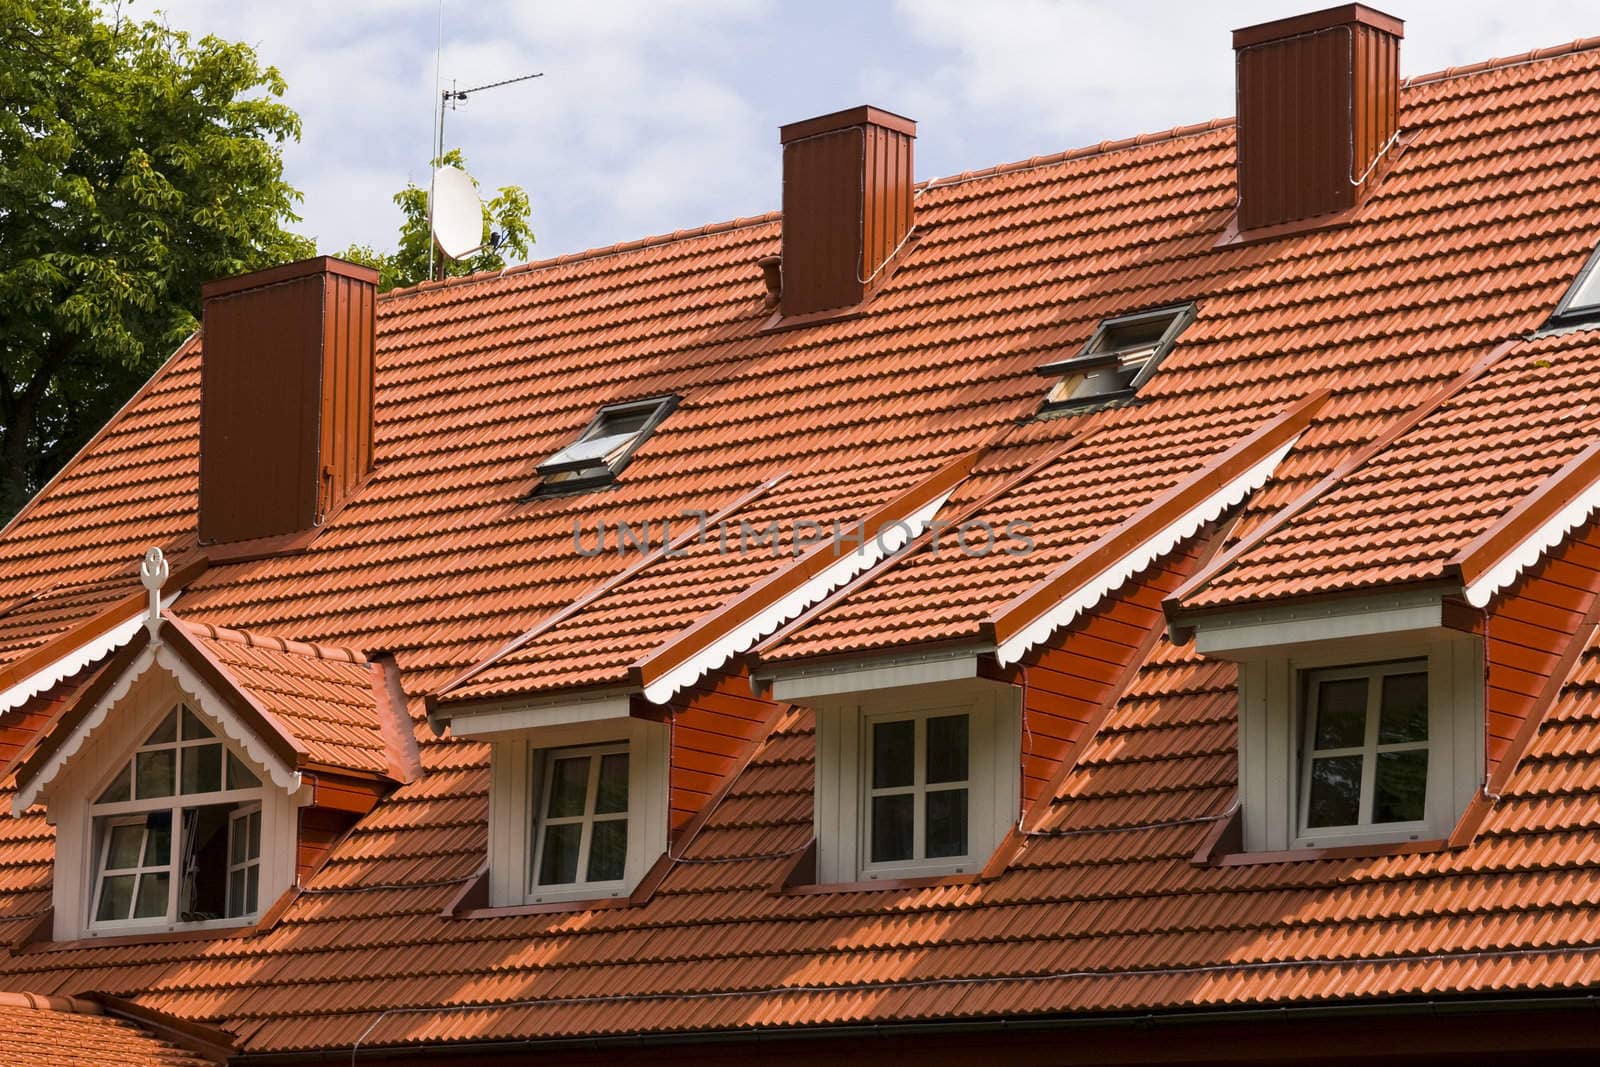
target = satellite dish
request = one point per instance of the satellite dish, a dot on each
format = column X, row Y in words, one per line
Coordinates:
column 457, row 213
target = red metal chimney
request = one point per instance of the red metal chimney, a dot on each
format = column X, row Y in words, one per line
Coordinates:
column 847, row 206
column 1318, row 99
column 285, row 397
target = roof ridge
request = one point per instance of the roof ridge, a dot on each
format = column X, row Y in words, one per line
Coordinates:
column 653, row 241
column 276, row 644
column 42, row 1002
column 1582, row 44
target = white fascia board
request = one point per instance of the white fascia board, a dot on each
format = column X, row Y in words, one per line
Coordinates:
column 1273, row 630
column 71, row 663
column 1533, row 547
column 806, row 685
column 875, row 547
column 1113, row 577
column 504, row 719
column 200, row 695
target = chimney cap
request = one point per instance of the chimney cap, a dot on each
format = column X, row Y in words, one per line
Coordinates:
column 1312, row 22
column 846, row 120
column 303, row 268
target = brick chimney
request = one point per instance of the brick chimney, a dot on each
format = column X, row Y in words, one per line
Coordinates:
column 847, row 206
column 285, row 397
column 1318, row 99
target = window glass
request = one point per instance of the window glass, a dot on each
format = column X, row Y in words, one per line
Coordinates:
column 166, row 854
column 917, row 779
column 583, row 817
column 1366, row 760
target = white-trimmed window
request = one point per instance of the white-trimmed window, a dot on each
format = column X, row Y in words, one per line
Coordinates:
column 582, row 836
column 1365, row 748
column 174, row 825
column 915, row 785
column 1376, row 743
column 917, row 788
column 576, row 811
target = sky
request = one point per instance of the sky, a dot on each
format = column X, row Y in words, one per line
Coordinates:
column 659, row 115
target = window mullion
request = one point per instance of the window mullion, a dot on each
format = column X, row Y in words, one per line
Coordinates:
column 919, row 789
column 1369, row 754
column 586, row 834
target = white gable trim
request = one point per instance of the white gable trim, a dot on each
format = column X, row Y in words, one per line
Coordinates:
column 888, row 541
column 1113, row 577
column 72, row 662
column 1533, row 547
column 205, row 699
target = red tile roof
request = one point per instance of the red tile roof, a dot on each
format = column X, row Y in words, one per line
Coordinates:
column 1468, row 242
column 37, row 1031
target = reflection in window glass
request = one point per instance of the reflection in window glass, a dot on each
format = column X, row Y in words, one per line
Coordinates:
column 582, row 836
column 1366, row 760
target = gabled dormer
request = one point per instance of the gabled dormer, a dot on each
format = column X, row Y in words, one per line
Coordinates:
column 203, row 771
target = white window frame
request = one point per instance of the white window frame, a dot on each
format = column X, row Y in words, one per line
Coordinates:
column 842, row 798
column 516, row 791
column 242, row 815
column 1273, row 722
column 1367, row 751
column 542, row 787
column 103, row 816
column 919, row 863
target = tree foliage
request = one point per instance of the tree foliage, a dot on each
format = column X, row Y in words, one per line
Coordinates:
column 505, row 229
column 135, row 164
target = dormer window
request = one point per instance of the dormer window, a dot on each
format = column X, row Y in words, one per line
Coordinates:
column 177, row 832
column 1581, row 304
column 1120, row 357
column 604, row 447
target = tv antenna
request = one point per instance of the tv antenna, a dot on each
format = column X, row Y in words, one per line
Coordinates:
column 452, row 196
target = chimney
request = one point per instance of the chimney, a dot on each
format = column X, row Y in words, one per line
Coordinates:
column 847, row 206
column 1318, row 99
column 285, row 397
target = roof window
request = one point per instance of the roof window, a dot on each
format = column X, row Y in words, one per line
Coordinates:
column 1581, row 304
column 605, row 446
column 1121, row 356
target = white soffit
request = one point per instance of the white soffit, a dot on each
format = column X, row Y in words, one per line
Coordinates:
column 72, row 662
column 200, row 695
column 804, row 686
column 509, row 719
column 1279, row 629
column 1113, row 577
column 1533, row 547
column 867, row 555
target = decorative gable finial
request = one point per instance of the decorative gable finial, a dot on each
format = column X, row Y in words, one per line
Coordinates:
column 153, row 572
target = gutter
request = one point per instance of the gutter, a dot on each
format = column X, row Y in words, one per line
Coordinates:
column 1021, row 1025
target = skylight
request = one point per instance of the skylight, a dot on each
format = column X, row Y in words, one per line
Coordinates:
column 605, row 446
column 1581, row 305
column 1121, row 356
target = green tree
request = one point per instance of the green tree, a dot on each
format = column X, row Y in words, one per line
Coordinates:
column 505, row 229
column 135, row 164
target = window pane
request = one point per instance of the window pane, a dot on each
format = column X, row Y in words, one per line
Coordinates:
column 891, row 827
column 193, row 728
column 947, row 822
column 608, row 850
column 947, row 749
column 1400, row 791
column 1404, row 709
column 167, row 731
column 893, row 753
column 612, row 795
column 158, row 845
column 238, row 839
column 252, row 889
column 236, row 893
column 569, row 787
column 153, row 773
column 121, row 787
column 126, row 842
column 1341, row 713
column 202, row 769
column 255, row 835
column 559, row 864
column 1335, row 792
column 240, row 776
column 116, row 896
column 152, row 902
